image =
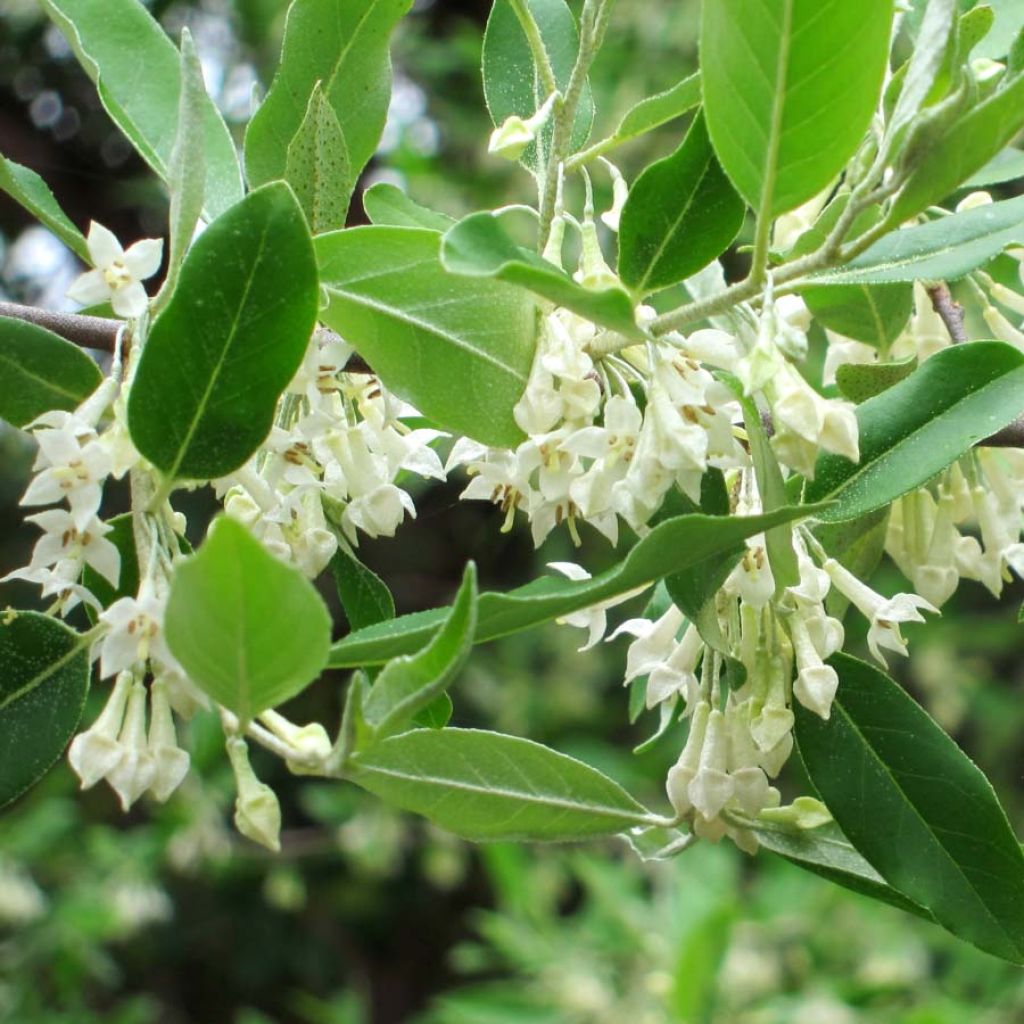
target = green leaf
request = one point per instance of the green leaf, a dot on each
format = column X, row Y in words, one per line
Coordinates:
column 698, row 965
column 317, row 166
column 43, row 686
column 387, row 205
column 789, row 89
column 826, row 852
column 137, row 72
column 423, row 330
column 1009, row 21
column 484, row 785
column 187, row 175
column 229, row 340
column 40, row 371
column 655, row 111
column 122, row 536
column 941, row 250
column 875, row 314
column 478, row 246
column 919, row 426
column 859, row 382
column 411, row 683
column 950, row 155
column 670, row 547
column 364, row 597
column 511, row 83
column 343, row 45
column 917, row 809
column 249, row 630
column 1006, row 165
column 680, row 215
column 25, row 187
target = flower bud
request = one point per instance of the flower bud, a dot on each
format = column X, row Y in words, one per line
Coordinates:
column 257, row 812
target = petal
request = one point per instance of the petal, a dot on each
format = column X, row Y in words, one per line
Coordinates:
column 104, row 248
column 130, row 301
column 89, row 289
column 143, row 258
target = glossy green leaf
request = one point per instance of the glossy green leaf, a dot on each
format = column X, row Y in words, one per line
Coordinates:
column 460, row 350
column 484, row 785
column 248, row 629
column 860, row 381
column 919, row 426
column 826, row 852
column 317, row 166
column 789, row 89
column 342, row 44
column 229, row 341
column 681, row 213
column 137, row 72
column 917, row 809
column 875, row 314
column 387, row 205
column 43, row 684
column 187, row 172
column 411, row 683
column 950, row 155
column 25, row 187
column 655, row 111
column 1006, row 165
column 670, row 547
column 941, row 250
column 478, row 246
column 364, row 597
column 511, row 83
column 40, row 371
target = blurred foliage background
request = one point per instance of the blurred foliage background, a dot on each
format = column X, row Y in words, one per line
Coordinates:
column 166, row 915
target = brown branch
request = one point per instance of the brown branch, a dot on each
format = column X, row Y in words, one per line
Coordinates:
column 950, row 312
column 100, row 333
column 1011, row 436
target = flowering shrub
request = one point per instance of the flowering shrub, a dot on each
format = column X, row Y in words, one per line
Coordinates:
column 762, row 443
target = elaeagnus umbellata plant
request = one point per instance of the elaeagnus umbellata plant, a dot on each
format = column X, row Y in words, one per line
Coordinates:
column 584, row 368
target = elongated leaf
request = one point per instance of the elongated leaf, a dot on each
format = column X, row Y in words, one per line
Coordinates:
column 789, row 88
column 681, row 213
column 1009, row 21
column 919, row 426
column 364, row 597
column 483, row 785
column 941, row 250
column 43, row 683
column 317, row 166
column 137, row 72
column 249, row 630
column 825, row 851
column 1007, row 165
column 875, row 314
column 655, row 111
column 40, row 371
column 229, row 341
column 478, row 246
column 187, row 174
column 24, row 186
column 917, row 809
column 670, row 547
column 343, row 44
column 410, row 683
column 459, row 350
column 389, row 206
column 950, row 156
column 511, row 83
column 859, row 382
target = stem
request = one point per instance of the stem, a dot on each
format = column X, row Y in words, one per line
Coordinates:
column 536, row 42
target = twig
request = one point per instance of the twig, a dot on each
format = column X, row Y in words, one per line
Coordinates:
column 949, row 310
column 100, row 333
column 1011, row 436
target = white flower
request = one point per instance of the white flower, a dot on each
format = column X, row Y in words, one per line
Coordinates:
column 677, row 674
column 712, row 787
column 593, row 619
column 311, row 743
column 135, row 770
column 884, row 614
column 94, row 752
column 169, row 760
column 510, row 139
column 654, row 644
column 683, row 772
column 257, row 812
column 620, row 193
column 752, row 578
column 63, row 540
column 118, row 274
column 134, row 632
column 816, row 683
